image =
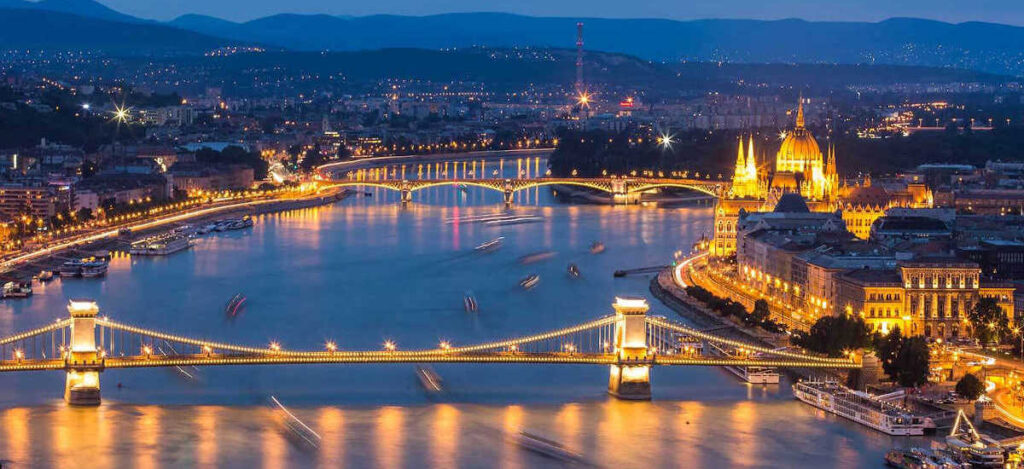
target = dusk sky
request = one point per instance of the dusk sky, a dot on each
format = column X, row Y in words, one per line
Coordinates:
column 999, row 11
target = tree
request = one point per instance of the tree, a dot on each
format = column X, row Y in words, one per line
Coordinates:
column 912, row 363
column 888, row 349
column 988, row 321
column 761, row 313
column 970, row 387
column 835, row 335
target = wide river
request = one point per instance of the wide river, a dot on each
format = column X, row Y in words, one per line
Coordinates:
column 366, row 270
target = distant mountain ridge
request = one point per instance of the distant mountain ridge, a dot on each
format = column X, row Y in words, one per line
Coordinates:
column 978, row 46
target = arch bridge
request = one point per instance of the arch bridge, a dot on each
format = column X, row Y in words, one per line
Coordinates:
column 623, row 190
column 629, row 342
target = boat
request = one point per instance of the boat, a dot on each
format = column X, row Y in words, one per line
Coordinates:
column 529, row 281
column 234, row 224
column 160, row 245
column 547, row 447
column 205, row 229
column 492, row 245
column 971, row 447
column 429, row 379
column 297, row 430
column 72, row 268
column 94, row 268
column 596, row 247
column 750, row 374
column 463, row 188
column 516, row 220
column 17, row 290
column 235, row 306
column 45, row 275
column 913, row 458
column 536, row 257
column 574, row 271
column 469, row 303
column 862, row 408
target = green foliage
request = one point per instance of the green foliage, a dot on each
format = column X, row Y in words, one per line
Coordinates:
column 834, row 335
column 889, row 349
column 988, row 321
column 761, row 312
column 593, row 152
column 234, row 155
column 726, row 307
column 970, row 387
column 911, row 364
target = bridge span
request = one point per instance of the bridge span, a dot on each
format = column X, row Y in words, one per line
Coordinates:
column 629, row 342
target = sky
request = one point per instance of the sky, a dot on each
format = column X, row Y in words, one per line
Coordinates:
column 996, row 11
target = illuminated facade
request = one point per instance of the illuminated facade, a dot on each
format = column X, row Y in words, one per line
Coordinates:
column 928, row 297
column 800, row 166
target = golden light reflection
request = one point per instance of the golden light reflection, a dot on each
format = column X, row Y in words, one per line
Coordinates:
column 444, row 442
column 512, row 424
column 389, row 437
column 567, row 424
column 16, row 435
column 743, row 418
column 331, row 423
column 273, row 446
column 147, row 437
column 206, row 436
column 688, row 433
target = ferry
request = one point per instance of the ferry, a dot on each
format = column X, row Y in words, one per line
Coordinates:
column 971, row 447
column 574, row 271
column 429, row 379
column 469, row 303
column 17, row 290
column 45, row 275
column 492, row 245
column 94, row 268
column 547, row 447
column 596, row 247
column 235, row 306
column 232, row 224
column 160, row 245
column 862, row 408
column 298, row 431
column 530, row 281
column 72, row 268
column 750, row 374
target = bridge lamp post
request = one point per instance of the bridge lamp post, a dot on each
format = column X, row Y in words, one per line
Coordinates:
column 331, row 346
column 19, row 355
column 147, row 351
column 389, row 346
column 513, row 348
column 570, row 348
column 207, row 350
column 445, row 345
column 275, row 347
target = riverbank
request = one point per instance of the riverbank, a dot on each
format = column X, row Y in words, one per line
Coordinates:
column 573, row 194
column 110, row 241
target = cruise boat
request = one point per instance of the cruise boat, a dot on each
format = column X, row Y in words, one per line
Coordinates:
column 862, row 408
column 973, row 448
column 492, row 245
column 547, row 447
column 160, row 245
column 536, row 257
column 17, row 290
column 750, row 374
column 469, row 303
column 596, row 247
column 206, row 229
column 920, row 458
column 516, row 220
column 94, row 268
column 574, row 271
column 45, row 275
column 529, row 281
column 235, row 224
column 429, row 379
column 72, row 268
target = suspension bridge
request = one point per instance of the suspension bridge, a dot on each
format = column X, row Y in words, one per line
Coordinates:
column 630, row 342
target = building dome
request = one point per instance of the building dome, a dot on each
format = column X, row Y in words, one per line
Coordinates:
column 798, row 149
column 791, row 203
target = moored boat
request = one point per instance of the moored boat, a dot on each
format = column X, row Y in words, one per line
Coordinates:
column 862, row 408
column 974, row 448
column 16, row 289
column 45, row 276
column 160, row 245
column 750, row 374
column 72, row 268
column 94, row 268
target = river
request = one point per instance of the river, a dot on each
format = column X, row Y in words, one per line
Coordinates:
column 366, row 270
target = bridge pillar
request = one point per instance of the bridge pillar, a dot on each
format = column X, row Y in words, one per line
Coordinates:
column 630, row 378
column 621, row 194
column 83, row 361
column 406, row 192
column 508, row 192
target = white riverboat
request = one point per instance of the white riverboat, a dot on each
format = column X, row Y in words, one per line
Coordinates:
column 971, row 447
column 750, row 374
column 160, row 245
column 862, row 408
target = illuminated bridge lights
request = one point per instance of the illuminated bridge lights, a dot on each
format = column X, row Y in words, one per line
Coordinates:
column 631, row 186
